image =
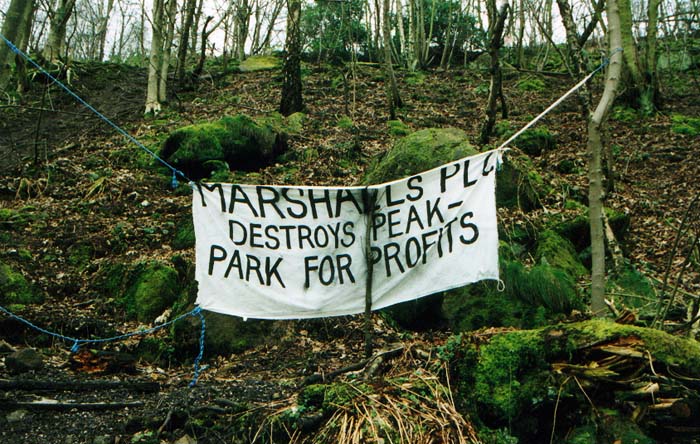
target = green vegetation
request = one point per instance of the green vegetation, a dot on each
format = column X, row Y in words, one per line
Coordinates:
column 420, row 151
column 240, row 141
column 624, row 114
column 531, row 84
column 398, row 129
column 535, row 140
column 688, row 126
column 345, row 122
column 15, row 289
column 554, row 250
column 260, row 63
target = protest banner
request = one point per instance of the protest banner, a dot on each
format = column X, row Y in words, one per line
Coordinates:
column 278, row 252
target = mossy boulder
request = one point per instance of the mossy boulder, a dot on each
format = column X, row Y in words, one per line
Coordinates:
column 184, row 235
column 535, row 140
column 241, row 142
column 532, row 297
column 145, row 289
column 634, row 289
column 420, row 151
column 517, row 378
column 574, row 225
column 15, row 289
column 559, row 252
column 518, row 184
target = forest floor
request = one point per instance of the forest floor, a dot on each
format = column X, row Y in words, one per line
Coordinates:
column 86, row 183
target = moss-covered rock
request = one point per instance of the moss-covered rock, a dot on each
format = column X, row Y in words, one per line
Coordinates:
column 517, row 378
column 574, row 225
column 559, row 252
column 231, row 334
column 519, row 185
column 531, row 298
column 420, row 151
column 260, row 63
column 15, row 289
column 532, row 84
column 417, row 315
column 239, row 140
column 184, row 235
column 144, row 290
column 634, row 289
column 535, row 140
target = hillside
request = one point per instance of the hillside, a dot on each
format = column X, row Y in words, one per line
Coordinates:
column 78, row 200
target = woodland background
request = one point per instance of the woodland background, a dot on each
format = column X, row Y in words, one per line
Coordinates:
column 594, row 338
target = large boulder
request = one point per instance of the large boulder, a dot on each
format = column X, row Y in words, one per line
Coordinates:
column 243, row 143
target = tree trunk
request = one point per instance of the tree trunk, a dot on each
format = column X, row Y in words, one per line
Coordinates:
column 401, row 32
column 243, row 23
column 637, row 87
column 520, row 48
column 56, row 43
column 25, row 34
column 11, row 29
column 291, row 88
column 169, row 17
column 497, row 20
column 188, row 18
column 154, row 64
column 595, row 171
column 652, row 80
column 392, row 91
column 102, row 30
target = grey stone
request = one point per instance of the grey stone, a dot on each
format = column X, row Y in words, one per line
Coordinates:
column 23, row 361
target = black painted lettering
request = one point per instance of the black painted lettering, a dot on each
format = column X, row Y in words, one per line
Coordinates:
column 466, row 182
column 237, row 191
column 415, row 188
column 486, row 171
column 389, row 201
column 325, row 199
column 272, row 242
column 304, row 234
column 433, row 211
column 301, row 213
column 391, row 251
column 271, row 199
column 345, row 195
column 233, row 232
column 326, row 265
column 308, row 268
column 348, row 230
column 393, row 221
column 413, row 252
column 446, row 174
column 463, row 222
column 413, row 217
column 213, row 257
column 271, row 271
column 321, row 236
column 235, row 262
column 344, row 261
column 255, row 234
column 253, row 264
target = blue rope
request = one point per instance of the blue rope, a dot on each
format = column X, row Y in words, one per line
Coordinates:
column 197, row 311
column 131, row 138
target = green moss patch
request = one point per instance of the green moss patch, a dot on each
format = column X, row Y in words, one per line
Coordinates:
column 688, row 126
column 554, row 250
column 241, row 142
column 260, row 63
column 519, row 185
column 15, row 289
column 418, row 152
column 535, row 140
column 398, row 129
column 531, row 84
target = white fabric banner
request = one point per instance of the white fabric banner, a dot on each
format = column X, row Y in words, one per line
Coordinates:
column 275, row 252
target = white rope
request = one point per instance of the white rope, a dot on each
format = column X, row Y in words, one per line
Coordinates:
column 551, row 107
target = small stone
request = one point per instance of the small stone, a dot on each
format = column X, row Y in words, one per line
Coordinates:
column 23, row 361
column 187, row 439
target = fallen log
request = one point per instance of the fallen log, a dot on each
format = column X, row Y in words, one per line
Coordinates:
column 84, row 386
column 50, row 404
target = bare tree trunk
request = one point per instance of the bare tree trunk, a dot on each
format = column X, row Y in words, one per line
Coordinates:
column 195, row 26
column 637, row 88
column 188, row 17
column 243, row 14
column 153, row 104
column 652, row 80
column 595, row 170
column 11, row 29
column 520, row 48
column 447, row 38
column 167, row 48
column 203, row 48
column 497, row 20
column 102, row 30
column 26, row 23
column 392, row 91
column 401, row 32
column 56, row 43
column 291, row 88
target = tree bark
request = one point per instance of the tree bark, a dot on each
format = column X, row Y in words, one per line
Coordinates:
column 652, row 80
column 637, row 86
column 291, row 88
column 25, row 34
column 167, row 49
column 188, row 18
column 102, row 30
column 11, row 29
column 154, row 64
column 55, row 45
column 497, row 20
column 595, row 171
column 392, row 91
